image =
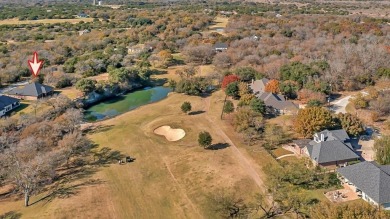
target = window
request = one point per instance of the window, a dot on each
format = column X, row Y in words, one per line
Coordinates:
column 8, row 108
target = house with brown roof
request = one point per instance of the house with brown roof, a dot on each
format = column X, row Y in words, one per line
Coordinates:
column 276, row 102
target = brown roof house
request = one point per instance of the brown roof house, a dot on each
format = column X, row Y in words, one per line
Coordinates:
column 276, row 102
column 32, row 91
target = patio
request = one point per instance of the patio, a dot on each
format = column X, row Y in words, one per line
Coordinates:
column 342, row 195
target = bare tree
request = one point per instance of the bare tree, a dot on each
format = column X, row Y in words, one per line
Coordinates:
column 73, row 144
column 28, row 167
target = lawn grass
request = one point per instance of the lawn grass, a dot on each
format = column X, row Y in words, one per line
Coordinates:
column 219, row 23
column 280, row 152
column 71, row 92
column 27, row 106
column 100, row 77
column 289, row 159
column 206, row 70
column 173, row 178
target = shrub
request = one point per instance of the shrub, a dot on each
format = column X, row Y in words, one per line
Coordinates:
column 205, row 139
column 186, row 107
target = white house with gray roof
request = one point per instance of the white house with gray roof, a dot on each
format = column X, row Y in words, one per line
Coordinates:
column 369, row 180
column 331, row 149
column 8, row 104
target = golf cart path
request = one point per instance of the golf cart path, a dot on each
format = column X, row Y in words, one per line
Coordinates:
column 244, row 162
column 182, row 189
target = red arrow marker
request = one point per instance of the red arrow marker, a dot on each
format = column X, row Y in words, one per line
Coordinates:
column 35, row 64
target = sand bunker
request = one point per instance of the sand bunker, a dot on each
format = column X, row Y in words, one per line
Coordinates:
column 170, row 133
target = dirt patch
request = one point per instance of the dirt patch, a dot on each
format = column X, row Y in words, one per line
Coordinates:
column 170, row 133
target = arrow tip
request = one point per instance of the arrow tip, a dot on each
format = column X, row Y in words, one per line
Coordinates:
column 35, row 64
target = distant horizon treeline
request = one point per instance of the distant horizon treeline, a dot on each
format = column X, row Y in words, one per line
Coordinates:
column 34, row 2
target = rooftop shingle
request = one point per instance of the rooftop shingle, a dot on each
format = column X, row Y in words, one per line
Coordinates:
column 371, row 178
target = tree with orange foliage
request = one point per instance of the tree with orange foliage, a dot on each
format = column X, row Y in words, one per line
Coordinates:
column 229, row 79
column 272, row 86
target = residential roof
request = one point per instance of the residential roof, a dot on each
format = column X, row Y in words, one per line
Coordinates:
column 6, row 101
column 302, row 142
column 259, row 85
column 274, row 100
column 339, row 134
column 220, row 45
column 370, row 177
column 34, row 89
column 330, row 151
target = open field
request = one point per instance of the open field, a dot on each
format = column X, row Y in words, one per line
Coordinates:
column 171, row 177
column 100, row 77
column 206, row 70
column 71, row 92
column 43, row 21
column 218, row 26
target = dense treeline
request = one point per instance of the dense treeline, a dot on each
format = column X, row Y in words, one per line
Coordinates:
column 301, row 48
column 94, row 53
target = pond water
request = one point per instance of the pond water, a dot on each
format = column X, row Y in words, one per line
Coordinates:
column 125, row 103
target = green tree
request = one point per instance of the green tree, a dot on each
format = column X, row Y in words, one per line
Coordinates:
column 172, row 84
column 257, row 106
column 118, row 75
column 351, row 210
column 86, row 85
column 246, row 118
column 186, row 107
column 382, row 150
column 193, row 86
column 313, row 119
column 228, row 107
column 232, row 90
column 289, row 88
column 274, row 135
column 296, row 71
column 246, row 73
column 314, row 103
column 359, row 101
column 350, row 123
column 205, row 139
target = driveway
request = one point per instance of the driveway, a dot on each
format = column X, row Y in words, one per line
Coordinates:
column 367, row 150
column 338, row 106
column 12, row 86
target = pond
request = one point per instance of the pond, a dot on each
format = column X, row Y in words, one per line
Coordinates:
column 125, row 103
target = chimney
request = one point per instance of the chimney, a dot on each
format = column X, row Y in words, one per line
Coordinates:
column 322, row 137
